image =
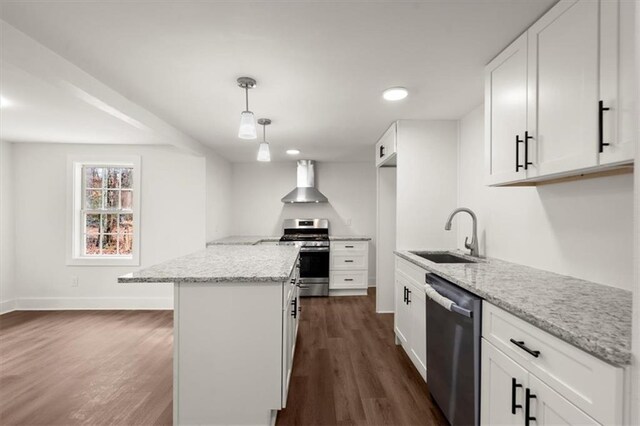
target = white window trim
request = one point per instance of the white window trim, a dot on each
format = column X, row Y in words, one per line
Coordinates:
column 74, row 210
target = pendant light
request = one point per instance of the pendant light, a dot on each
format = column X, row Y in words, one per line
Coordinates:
column 263, row 151
column 247, row 120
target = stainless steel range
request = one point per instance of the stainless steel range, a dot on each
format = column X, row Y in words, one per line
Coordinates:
column 312, row 236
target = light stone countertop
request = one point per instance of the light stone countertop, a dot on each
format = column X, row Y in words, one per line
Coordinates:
column 257, row 239
column 225, row 263
column 593, row 317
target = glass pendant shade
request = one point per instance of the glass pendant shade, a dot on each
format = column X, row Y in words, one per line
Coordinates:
column 247, row 126
column 263, row 152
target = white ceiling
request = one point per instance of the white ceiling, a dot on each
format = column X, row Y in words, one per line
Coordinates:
column 320, row 66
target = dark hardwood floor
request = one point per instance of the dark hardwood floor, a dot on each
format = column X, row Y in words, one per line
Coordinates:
column 86, row 367
column 348, row 371
column 115, row 367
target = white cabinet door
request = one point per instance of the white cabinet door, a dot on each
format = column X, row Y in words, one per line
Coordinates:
column 401, row 317
column 386, row 146
column 563, row 88
column 418, row 339
column 617, row 81
column 506, row 114
column 550, row 408
column 503, row 384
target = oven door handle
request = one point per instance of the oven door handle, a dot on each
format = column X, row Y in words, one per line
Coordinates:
column 314, row 249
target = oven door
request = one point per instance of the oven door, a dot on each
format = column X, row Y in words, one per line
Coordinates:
column 314, row 263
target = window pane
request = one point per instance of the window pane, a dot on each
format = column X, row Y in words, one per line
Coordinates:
column 126, row 243
column 92, row 224
column 94, row 177
column 109, row 223
column 109, row 244
column 92, row 245
column 126, row 223
column 111, row 200
column 126, row 177
column 126, row 200
column 113, row 178
column 93, row 199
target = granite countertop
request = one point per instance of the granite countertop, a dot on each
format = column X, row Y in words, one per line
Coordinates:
column 257, row 239
column 349, row 238
column 594, row 317
column 225, row 263
column 243, row 240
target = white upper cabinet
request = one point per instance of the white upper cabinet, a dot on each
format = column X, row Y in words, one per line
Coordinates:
column 572, row 114
column 506, row 113
column 617, row 90
column 563, row 87
column 386, row 147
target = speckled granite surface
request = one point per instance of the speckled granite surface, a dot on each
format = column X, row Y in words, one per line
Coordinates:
column 349, row 238
column 225, row 263
column 243, row 240
column 593, row 317
column 257, row 239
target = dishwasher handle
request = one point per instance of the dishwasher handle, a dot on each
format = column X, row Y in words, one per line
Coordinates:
column 448, row 304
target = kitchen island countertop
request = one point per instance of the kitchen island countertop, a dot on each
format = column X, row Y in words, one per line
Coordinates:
column 223, row 263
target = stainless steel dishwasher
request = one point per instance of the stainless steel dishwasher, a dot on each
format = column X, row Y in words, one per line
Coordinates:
column 454, row 319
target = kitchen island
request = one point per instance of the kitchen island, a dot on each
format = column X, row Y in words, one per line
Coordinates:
column 235, row 327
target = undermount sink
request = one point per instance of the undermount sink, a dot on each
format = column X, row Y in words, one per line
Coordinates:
column 440, row 257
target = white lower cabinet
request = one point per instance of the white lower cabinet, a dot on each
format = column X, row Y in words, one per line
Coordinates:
column 290, row 319
column 410, row 320
column 529, row 374
column 349, row 267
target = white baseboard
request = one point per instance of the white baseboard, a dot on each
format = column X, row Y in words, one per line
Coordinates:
column 372, row 281
column 93, row 303
column 7, row 306
column 385, row 312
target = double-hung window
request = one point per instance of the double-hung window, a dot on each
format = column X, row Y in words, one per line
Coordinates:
column 105, row 212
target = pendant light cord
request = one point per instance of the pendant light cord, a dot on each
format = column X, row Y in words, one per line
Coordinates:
column 246, row 97
column 264, row 133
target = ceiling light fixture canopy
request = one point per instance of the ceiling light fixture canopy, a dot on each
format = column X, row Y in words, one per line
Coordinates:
column 293, row 151
column 247, row 128
column 395, row 93
column 263, row 151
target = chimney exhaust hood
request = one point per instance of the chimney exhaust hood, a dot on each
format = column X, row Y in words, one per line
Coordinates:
column 305, row 191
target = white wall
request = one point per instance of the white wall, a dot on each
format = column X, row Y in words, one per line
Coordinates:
column 350, row 188
column 7, row 288
column 576, row 228
column 173, row 215
column 426, row 179
column 218, row 204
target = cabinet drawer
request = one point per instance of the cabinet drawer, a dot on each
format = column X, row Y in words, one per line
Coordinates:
column 591, row 384
column 349, row 245
column 348, row 261
column 348, row 279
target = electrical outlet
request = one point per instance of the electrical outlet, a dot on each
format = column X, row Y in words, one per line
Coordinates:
column 75, row 281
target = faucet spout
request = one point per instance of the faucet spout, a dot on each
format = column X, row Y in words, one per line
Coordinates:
column 473, row 245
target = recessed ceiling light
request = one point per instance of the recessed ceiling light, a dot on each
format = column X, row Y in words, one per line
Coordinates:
column 4, row 102
column 395, row 93
column 293, row 151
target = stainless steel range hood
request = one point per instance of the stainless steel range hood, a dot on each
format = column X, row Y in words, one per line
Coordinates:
column 305, row 191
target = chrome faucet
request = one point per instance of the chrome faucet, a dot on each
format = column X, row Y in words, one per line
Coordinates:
column 473, row 245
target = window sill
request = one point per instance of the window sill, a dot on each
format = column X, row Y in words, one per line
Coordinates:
column 84, row 261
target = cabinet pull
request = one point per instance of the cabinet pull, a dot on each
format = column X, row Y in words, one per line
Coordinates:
column 348, row 279
column 348, row 246
column 408, row 296
column 521, row 345
column 348, row 261
column 518, row 142
column 381, row 151
column 294, row 312
column 405, row 295
column 527, row 407
column 527, row 163
column 601, row 110
column 514, row 385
